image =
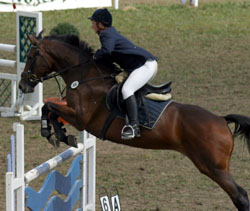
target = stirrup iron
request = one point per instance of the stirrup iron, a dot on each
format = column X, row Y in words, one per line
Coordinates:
column 125, row 136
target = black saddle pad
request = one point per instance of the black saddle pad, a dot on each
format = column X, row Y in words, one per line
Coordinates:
column 150, row 112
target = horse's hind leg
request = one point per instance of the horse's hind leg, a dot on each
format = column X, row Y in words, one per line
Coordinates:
column 243, row 199
column 220, row 174
column 237, row 194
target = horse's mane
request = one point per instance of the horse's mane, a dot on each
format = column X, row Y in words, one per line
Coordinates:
column 82, row 46
column 75, row 42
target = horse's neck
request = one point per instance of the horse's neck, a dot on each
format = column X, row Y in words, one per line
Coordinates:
column 65, row 60
column 63, row 56
column 80, row 68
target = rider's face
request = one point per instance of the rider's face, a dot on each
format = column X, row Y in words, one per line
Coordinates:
column 94, row 26
column 97, row 27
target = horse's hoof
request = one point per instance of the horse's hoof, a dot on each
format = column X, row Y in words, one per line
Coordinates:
column 71, row 141
column 54, row 141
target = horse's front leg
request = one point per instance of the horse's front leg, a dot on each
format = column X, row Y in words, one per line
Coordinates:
column 45, row 122
column 50, row 114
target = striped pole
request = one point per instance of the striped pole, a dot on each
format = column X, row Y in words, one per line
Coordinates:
column 52, row 163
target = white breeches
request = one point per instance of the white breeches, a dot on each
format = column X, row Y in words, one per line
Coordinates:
column 139, row 77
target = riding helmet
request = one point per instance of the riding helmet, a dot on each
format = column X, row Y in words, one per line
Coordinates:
column 103, row 16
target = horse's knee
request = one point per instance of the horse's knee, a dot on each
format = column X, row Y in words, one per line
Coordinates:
column 45, row 109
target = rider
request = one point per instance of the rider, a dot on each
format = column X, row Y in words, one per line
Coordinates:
column 139, row 63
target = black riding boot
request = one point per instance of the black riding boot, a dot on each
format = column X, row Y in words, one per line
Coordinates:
column 132, row 130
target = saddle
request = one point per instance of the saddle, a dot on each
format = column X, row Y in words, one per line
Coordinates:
column 114, row 99
column 116, row 105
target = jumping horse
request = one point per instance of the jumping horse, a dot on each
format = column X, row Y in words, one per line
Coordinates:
column 203, row 137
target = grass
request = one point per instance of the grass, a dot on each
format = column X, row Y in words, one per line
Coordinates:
column 205, row 51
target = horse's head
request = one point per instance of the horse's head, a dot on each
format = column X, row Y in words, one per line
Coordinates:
column 37, row 65
column 60, row 54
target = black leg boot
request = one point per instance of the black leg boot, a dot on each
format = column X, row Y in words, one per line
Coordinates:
column 132, row 130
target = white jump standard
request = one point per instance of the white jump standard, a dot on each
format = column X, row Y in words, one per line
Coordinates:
column 27, row 106
column 78, row 184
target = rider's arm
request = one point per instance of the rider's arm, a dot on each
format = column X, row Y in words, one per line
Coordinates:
column 108, row 45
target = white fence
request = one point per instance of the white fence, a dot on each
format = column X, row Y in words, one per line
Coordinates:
column 192, row 2
column 6, row 62
column 44, row 5
column 27, row 106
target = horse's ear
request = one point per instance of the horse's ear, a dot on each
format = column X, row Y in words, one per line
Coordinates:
column 33, row 39
column 40, row 34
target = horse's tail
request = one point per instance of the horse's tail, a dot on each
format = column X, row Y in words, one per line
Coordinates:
column 242, row 127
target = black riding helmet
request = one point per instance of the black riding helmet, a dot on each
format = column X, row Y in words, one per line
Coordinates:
column 103, row 16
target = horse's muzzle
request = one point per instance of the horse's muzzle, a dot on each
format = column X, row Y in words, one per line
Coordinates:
column 25, row 87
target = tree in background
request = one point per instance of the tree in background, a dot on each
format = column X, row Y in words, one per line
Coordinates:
column 64, row 28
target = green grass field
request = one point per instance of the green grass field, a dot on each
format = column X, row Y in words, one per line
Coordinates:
column 205, row 52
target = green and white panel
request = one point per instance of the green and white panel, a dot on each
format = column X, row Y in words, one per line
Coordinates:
column 27, row 23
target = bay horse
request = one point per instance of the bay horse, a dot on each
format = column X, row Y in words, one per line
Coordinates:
column 191, row 130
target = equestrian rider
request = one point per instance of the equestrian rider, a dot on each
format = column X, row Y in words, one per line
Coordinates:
column 139, row 63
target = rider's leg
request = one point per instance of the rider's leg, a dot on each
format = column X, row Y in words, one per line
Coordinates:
column 133, row 129
column 137, row 79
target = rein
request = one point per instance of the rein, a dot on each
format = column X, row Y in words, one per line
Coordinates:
column 33, row 80
column 47, row 77
column 54, row 75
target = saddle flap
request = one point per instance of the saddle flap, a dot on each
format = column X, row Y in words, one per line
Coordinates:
column 114, row 99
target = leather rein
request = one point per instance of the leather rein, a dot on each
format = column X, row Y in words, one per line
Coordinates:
column 33, row 80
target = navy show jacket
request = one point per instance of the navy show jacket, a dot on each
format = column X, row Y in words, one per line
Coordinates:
column 121, row 50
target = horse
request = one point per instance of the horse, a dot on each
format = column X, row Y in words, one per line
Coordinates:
column 205, row 138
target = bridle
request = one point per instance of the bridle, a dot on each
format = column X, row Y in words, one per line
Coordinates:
column 32, row 79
